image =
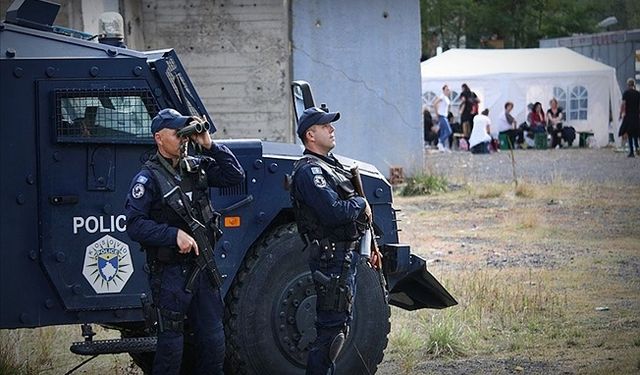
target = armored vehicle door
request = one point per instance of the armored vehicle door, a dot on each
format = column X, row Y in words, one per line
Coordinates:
column 90, row 131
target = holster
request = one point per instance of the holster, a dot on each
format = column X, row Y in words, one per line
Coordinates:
column 333, row 292
column 150, row 314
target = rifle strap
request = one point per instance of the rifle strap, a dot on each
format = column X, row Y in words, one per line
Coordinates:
column 166, row 179
column 334, row 171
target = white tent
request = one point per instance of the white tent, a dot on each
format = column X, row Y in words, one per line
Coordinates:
column 585, row 88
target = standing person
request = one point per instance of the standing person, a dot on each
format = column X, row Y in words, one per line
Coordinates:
column 507, row 125
column 468, row 108
column 630, row 115
column 441, row 105
column 480, row 138
column 554, row 123
column 164, row 234
column 331, row 219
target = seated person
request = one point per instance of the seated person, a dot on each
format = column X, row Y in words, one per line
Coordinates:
column 554, row 123
column 456, row 127
column 569, row 135
column 430, row 132
column 480, row 138
column 537, row 121
column 507, row 125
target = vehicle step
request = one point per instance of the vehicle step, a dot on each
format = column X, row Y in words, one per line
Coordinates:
column 114, row 346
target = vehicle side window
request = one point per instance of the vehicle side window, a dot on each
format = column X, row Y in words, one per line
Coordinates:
column 104, row 115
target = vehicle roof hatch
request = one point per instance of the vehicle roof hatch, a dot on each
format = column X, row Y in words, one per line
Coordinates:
column 36, row 14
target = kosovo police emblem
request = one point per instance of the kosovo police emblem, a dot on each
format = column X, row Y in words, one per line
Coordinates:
column 319, row 181
column 137, row 191
column 107, row 265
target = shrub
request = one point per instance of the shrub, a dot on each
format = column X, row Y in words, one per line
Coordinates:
column 425, row 185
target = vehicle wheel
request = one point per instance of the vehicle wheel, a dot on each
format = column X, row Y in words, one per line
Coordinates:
column 270, row 312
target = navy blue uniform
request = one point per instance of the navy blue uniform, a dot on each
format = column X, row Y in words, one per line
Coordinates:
column 330, row 217
column 155, row 226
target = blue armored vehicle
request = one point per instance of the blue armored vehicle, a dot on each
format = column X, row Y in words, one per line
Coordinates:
column 75, row 117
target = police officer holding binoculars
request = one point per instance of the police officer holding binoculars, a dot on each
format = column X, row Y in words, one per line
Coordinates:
column 167, row 199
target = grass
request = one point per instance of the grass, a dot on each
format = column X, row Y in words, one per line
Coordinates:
column 45, row 351
column 424, row 185
column 524, row 190
column 444, row 334
column 585, row 237
column 497, row 312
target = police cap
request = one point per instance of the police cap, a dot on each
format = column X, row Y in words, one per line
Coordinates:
column 314, row 116
column 168, row 118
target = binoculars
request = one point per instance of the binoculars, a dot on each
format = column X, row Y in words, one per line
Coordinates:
column 196, row 126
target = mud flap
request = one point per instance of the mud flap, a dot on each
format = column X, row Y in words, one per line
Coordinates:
column 412, row 287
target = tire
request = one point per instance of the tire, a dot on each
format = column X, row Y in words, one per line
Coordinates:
column 270, row 312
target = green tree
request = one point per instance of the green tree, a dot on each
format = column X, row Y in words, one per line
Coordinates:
column 516, row 23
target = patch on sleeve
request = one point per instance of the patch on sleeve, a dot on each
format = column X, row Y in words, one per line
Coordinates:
column 138, row 190
column 316, row 170
column 319, row 181
column 142, row 179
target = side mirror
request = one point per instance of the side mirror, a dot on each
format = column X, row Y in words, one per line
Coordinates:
column 302, row 98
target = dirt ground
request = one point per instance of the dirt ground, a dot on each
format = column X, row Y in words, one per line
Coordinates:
column 576, row 221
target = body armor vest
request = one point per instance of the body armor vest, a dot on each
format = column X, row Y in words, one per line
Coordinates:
column 196, row 183
column 309, row 226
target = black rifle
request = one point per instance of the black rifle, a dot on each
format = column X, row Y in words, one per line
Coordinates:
column 177, row 200
column 356, row 181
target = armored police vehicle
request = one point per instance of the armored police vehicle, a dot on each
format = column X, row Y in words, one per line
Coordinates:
column 75, row 117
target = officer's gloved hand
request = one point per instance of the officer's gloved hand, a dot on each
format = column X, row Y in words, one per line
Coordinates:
column 185, row 243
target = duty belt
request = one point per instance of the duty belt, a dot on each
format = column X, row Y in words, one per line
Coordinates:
column 327, row 244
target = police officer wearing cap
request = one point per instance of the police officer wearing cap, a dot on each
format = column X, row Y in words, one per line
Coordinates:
column 331, row 220
column 169, row 243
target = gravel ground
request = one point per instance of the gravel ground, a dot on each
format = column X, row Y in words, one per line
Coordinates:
column 605, row 165
column 607, row 170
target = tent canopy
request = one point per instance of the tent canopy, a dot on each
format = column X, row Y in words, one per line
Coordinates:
column 586, row 89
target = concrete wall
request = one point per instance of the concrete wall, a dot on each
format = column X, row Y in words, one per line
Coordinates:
column 362, row 58
column 237, row 55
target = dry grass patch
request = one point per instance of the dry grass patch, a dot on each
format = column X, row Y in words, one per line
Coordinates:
column 524, row 219
column 498, row 310
column 525, row 190
column 489, row 191
column 45, row 351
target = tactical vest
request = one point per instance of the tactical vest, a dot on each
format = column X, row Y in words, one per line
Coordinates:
column 309, row 227
column 197, row 184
